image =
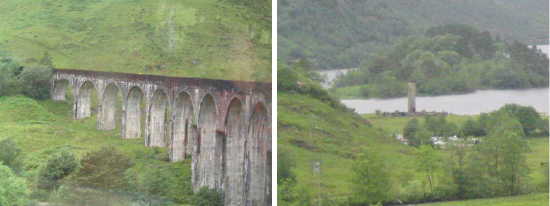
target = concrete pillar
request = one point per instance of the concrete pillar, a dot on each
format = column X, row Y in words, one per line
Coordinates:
column 234, row 155
column 257, row 152
column 208, row 165
column 59, row 90
column 133, row 114
column 84, row 101
column 412, row 98
column 107, row 109
column 157, row 123
column 181, row 128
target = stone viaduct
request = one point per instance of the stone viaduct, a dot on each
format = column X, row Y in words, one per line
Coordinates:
column 224, row 126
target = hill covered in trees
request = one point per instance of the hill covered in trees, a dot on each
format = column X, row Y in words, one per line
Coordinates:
column 448, row 59
column 222, row 39
column 340, row 34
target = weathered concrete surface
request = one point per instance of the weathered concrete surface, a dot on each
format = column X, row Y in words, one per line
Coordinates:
column 224, row 125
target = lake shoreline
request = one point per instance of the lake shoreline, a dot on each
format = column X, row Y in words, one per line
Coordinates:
column 480, row 101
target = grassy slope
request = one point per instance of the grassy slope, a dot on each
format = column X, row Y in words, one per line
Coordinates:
column 311, row 130
column 40, row 127
column 523, row 200
column 195, row 38
column 539, row 146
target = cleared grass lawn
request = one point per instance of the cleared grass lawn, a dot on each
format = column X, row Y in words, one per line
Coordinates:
column 523, row 200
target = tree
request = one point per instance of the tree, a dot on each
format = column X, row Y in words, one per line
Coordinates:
column 428, row 163
column 371, row 180
column 503, row 153
column 471, row 128
column 410, row 130
column 526, row 115
column 36, row 82
column 11, row 155
column 13, row 189
column 58, row 166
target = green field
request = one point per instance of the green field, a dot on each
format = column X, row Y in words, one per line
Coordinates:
column 193, row 38
column 523, row 200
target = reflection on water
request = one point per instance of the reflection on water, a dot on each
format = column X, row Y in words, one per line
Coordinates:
column 466, row 104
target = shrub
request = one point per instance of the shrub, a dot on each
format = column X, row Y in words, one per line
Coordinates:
column 13, row 189
column 208, row 197
column 162, row 181
column 103, row 168
column 10, row 155
column 371, row 179
column 59, row 166
column 35, row 82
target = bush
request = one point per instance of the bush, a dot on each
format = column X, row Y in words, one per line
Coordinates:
column 371, row 180
column 170, row 181
column 10, row 155
column 59, row 166
column 13, row 189
column 208, row 197
column 35, row 82
column 103, row 168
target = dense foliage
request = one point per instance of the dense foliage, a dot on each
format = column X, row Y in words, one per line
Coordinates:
column 13, row 189
column 59, row 165
column 449, row 59
column 371, row 179
column 208, row 197
column 103, row 169
column 11, row 155
column 32, row 81
column 341, row 34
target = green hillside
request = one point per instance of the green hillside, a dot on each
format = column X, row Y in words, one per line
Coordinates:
column 41, row 128
column 313, row 127
column 341, row 34
column 220, row 39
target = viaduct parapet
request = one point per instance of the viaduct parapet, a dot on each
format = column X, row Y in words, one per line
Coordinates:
column 225, row 126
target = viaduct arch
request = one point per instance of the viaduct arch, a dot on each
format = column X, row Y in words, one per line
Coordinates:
column 225, row 126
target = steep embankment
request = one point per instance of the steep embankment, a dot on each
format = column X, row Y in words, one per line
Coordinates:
column 219, row 39
column 41, row 128
column 312, row 130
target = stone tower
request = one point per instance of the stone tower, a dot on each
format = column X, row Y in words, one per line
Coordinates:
column 412, row 97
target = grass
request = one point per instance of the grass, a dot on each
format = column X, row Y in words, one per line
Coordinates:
column 193, row 38
column 310, row 130
column 523, row 200
column 395, row 125
column 39, row 128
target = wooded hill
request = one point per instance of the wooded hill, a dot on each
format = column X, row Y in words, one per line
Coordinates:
column 340, row 34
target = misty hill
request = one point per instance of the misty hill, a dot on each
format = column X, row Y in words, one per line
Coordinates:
column 339, row 34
